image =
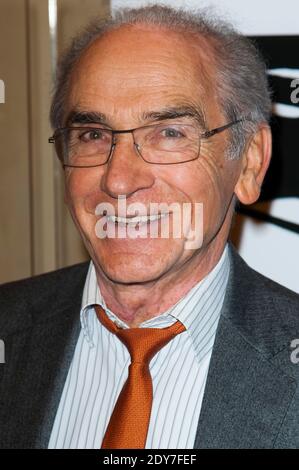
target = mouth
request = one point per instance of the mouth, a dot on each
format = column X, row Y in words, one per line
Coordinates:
column 133, row 220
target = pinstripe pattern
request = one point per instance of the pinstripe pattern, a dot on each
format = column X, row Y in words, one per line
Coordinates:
column 179, row 370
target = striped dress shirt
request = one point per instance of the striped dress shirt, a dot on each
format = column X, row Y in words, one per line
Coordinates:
column 99, row 369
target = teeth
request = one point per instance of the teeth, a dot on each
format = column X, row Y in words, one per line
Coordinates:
column 135, row 220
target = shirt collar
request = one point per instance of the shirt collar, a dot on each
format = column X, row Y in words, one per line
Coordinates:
column 199, row 310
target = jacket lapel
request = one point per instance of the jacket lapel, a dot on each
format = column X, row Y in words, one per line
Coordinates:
column 246, row 395
column 67, row 332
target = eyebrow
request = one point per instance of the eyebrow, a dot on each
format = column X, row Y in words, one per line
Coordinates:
column 176, row 112
column 86, row 117
column 169, row 112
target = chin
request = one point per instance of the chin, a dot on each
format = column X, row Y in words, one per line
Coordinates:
column 130, row 275
column 130, row 269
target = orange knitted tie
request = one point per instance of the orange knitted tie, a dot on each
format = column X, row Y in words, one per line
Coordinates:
column 128, row 425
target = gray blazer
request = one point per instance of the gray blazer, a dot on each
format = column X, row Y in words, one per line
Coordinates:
column 251, row 398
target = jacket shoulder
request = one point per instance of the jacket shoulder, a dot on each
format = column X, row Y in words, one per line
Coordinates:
column 37, row 297
column 280, row 295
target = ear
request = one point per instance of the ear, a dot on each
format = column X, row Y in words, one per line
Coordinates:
column 255, row 162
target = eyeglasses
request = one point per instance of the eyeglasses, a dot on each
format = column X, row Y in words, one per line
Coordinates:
column 165, row 143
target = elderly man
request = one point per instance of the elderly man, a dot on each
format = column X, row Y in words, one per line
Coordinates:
column 167, row 339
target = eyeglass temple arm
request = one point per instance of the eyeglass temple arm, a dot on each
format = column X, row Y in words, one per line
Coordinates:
column 220, row 129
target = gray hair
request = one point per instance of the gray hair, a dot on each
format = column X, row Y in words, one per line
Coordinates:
column 241, row 79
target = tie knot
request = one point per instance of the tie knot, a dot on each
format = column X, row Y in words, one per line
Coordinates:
column 142, row 343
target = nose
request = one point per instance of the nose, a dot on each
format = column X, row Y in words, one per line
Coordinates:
column 126, row 172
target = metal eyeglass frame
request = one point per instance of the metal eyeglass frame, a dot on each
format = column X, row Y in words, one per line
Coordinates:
column 204, row 135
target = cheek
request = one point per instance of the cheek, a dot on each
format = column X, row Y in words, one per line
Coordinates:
column 80, row 184
column 202, row 182
column 212, row 184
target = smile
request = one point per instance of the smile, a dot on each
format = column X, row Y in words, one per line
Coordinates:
column 136, row 220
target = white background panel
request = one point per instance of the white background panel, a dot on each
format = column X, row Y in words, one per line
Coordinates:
column 261, row 17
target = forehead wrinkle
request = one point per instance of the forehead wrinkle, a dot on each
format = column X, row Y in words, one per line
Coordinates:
column 165, row 55
column 157, row 76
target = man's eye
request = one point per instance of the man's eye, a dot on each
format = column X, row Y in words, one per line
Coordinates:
column 91, row 135
column 171, row 132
